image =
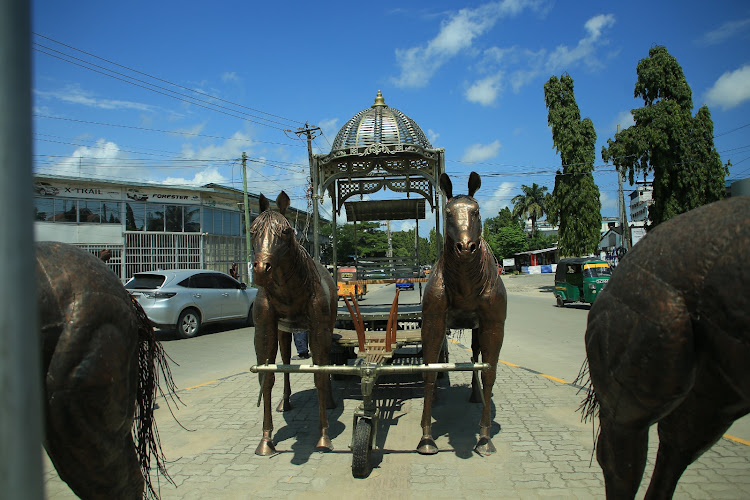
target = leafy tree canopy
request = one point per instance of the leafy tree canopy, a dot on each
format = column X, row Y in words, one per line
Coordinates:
column 668, row 141
column 531, row 204
column 574, row 204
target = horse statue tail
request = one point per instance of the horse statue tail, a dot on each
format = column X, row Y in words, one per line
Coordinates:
column 151, row 359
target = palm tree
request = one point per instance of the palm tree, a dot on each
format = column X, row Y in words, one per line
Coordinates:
column 532, row 204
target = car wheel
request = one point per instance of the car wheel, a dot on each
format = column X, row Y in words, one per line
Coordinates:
column 560, row 302
column 250, row 317
column 189, row 324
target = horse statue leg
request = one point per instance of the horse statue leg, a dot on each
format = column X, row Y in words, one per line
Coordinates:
column 285, row 346
column 266, row 347
column 433, row 335
column 693, row 427
column 476, row 396
column 490, row 342
column 320, row 349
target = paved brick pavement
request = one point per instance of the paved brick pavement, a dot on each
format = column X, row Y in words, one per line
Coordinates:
column 544, row 451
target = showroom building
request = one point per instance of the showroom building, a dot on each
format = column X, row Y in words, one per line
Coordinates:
column 151, row 226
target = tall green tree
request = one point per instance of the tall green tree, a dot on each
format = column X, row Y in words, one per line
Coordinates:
column 530, row 204
column 668, row 141
column 503, row 218
column 576, row 206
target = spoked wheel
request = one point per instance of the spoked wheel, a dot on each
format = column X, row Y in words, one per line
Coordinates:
column 361, row 448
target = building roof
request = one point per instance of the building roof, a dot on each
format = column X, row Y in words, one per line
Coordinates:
column 379, row 124
column 385, row 210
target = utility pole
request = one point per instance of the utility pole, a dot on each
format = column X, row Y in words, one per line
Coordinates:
column 623, row 213
column 390, row 242
column 21, row 377
column 314, row 179
column 246, row 205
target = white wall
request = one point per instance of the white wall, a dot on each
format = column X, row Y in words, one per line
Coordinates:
column 67, row 232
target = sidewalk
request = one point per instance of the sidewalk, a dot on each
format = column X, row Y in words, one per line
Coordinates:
column 544, row 451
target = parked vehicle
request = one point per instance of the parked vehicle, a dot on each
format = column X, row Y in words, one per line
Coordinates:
column 580, row 279
column 188, row 299
column 345, row 282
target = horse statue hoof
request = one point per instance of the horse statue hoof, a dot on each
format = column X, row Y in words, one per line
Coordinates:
column 265, row 447
column 324, row 444
column 485, row 447
column 284, row 405
column 427, row 446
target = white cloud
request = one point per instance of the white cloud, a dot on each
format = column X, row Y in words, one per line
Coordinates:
column 725, row 32
column 499, row 199
column 76, row 95
column 564, row 58
column 485, row 91
column 432, row 136
column 230, row 148
column 731, row 89
column 481, row 152
column 211, row 175
column 624, row 119
column 330, row 127
column 419, row 64
column 230, row 76
column 608, row 202
column 102, row 160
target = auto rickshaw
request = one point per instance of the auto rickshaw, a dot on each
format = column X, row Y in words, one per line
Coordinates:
column 345, row 282
column 580, row 279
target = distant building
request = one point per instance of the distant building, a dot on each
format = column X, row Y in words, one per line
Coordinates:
column 151, row 226
column 640, row 200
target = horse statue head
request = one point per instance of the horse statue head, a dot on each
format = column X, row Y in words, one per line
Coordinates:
column 272, row 238
column 463, row 222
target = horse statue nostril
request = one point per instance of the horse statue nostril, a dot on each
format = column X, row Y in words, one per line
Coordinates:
column 459, row 247
column 268, row 266
column 473, row 247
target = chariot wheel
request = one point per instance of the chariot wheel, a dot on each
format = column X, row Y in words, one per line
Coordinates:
column 362, row 448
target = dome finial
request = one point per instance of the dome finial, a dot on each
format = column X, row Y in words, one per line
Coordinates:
column 379, row 101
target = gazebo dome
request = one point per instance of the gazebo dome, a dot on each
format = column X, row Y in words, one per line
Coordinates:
column 379, row 124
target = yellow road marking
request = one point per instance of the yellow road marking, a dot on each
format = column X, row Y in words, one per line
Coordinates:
column 201, row 385
column 737, row 440
column 509, row 364
column 553, row 378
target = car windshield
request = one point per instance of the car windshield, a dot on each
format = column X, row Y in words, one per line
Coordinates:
column 597, row 270
column 145, row 282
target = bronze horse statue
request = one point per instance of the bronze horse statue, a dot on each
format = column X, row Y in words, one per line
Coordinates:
column 668, row 343
column 300, row 292
column 464, row 291
column 99, row 360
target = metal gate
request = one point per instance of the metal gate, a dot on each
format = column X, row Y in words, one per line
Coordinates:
column 152, row 251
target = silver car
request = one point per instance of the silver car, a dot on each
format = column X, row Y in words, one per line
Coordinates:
column 188, row 299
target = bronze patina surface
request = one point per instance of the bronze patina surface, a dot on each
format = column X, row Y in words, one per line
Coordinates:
column 668, row 342
column 99, row 361
column 300, row 292
column 464, row 291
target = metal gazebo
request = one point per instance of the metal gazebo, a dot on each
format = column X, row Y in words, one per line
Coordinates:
column 379, row 148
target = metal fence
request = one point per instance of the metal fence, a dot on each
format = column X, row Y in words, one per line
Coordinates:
column 145, row 251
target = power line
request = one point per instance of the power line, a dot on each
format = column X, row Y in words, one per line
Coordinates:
column 158, row 79
column 175, row 132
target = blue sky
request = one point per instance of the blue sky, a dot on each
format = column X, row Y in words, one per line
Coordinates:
column 174, row 92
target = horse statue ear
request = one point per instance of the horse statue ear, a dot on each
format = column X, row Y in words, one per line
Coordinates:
column 264, row 203
column 446, row 185
column 475, row 182
column 282, row 201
